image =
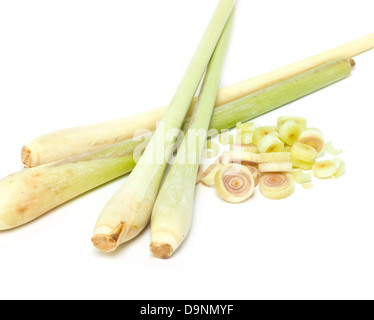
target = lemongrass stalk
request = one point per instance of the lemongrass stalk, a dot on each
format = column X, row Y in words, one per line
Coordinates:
column 66, row 143
column 273, row 97
column 172, row 213
column 224, row 117
column 129, row 211
column 30, row 193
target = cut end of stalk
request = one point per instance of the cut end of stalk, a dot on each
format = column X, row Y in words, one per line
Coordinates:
column 104, row 242
column 352, row 62
column 26, row 157
column 161, row 250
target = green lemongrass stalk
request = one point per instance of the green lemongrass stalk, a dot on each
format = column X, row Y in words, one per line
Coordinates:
column 172, row 213
column 129, row 211
column 70, row 142
column 30, row 193
column 280, row 94
column 117, row 160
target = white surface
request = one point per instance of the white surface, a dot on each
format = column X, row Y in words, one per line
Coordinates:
column 74, row 62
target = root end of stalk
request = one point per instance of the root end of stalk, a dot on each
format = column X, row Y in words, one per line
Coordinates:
column 352, row 62
column 104, row 242
column 162, row 250
column 26, row 157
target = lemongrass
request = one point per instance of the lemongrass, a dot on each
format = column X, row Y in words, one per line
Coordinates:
column 32, row 192
column 261, row 132
column 173, row 209
column 255, row 173
column 129, row 211
column 277, row 186
column 303, row 152
column 274, row 157
column 224, row 117
column 234, row 183
column 330, row 149
column 275, row 167
column 302, row 122
column 313, row 137
column 200, row 174
column 301, row 177
column 66, row 143
column 290, row 132
column 324, row 169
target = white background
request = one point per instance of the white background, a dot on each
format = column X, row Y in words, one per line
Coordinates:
column 74, row 62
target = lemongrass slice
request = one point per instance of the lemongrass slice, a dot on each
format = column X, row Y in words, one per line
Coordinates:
column 341, row 168
column 234, row 183
column 324, row 169
column 275, row 167
column 290, row 132
column 296, row 163
column 252, row 148
column 270, row 143
column 261, row 132
column 313, row 137
column 255, row 173
column 277, row 186
column 301, row 177
column 303, row 152
column 300, row 121
column 243, row 157
column 209, row 174
column 330, row 149
column 307, row 185
column 200, row 174
column 274, row 157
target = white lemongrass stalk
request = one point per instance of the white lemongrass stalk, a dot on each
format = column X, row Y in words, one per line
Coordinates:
column 30, row 193
column 129, row 211
column 66, row 143
column 172, row 213
column 82, row 171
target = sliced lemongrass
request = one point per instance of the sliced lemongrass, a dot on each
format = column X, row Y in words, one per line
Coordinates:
column 243, row 157
column 341, row 168
column 290, row 132
column 261, row 132
column 330, row 149
column 296, row 163
column 277, row 186
column 287, row 148
column 255, row 173
column 308, row 185
column 313, row 137
column 234, row 183
column 274, row 157
column 301, row 177
column 130, row 209
column 303, row 152
column 244, row 147
column 324, row 169
column 301, row 121
column 209, row 174
column 200, row 174
column 226, row 138
column 275, row 167
column 270, row 143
